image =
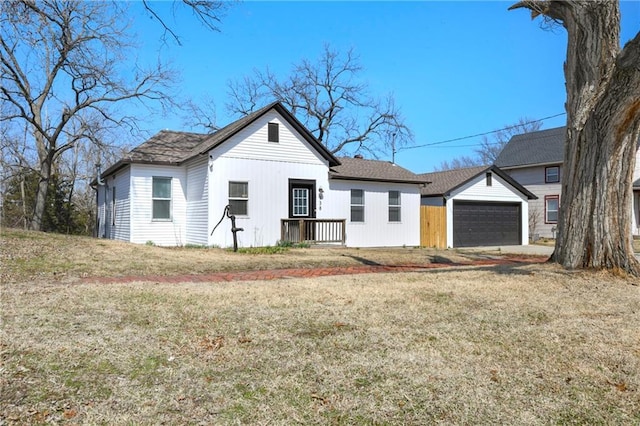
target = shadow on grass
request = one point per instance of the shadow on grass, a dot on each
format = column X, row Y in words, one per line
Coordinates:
column 363, row 260
column 515, row 268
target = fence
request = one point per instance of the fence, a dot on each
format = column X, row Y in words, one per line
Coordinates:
column 433, row 226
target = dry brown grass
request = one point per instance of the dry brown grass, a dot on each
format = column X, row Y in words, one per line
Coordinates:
column 475, row 345
column 494, row 345
column 36, row 255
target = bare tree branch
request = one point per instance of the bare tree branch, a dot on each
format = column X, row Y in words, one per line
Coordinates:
column 332, row 102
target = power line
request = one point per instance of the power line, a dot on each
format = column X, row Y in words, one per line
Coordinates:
column 479, row 134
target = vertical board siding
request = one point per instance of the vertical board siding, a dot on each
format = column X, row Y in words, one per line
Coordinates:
column 376, row 230
column 268, row 198
column 433, row 226
column 197, row 201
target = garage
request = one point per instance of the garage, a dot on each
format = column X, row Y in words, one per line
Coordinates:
column 477, row 223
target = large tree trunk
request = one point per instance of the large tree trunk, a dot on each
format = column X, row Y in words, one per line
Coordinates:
column 603, row 126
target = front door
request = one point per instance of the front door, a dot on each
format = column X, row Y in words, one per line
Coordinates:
column 302, row 205
column 302, row 199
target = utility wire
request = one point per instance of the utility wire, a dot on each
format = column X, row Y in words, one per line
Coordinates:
column 479, row 134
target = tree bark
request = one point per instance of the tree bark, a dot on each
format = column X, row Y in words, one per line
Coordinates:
column 603, row 128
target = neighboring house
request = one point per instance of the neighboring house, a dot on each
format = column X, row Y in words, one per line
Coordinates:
column 484, row 206
column 280, row 182
column 535, row 160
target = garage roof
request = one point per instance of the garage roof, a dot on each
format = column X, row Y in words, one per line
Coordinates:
column 442, row 183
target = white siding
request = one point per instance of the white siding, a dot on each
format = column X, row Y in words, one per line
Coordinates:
column 533, row 178
column 376, row 230
column 144, row 228
column 267, row 168
column 268, row 191
column 251, row 143
column 499, row 191
column 197, row 202
column 120, row 225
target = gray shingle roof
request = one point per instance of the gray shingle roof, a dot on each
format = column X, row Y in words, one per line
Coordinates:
column 541, row 147
column 373, row 170
column 166, row 147
column 443, row 182
column 446, row 181
column 170, row 147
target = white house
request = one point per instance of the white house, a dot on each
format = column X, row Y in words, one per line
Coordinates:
column 278, row 180
column 535, row 160
column 484, row 206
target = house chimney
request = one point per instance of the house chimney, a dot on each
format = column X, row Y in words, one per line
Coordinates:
column 358, row 156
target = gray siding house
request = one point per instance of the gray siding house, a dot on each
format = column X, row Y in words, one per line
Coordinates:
column 535, row 160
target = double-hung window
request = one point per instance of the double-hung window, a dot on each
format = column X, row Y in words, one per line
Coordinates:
column 394, row 206
column 161, row 195
column 551, row 207
column 552, row 174
column 239, row 198
column 357, row 205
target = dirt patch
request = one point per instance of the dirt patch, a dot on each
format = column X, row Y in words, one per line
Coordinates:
column 26, row 255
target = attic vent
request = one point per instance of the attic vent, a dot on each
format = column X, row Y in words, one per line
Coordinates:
column 358, row 156
column 273, row 133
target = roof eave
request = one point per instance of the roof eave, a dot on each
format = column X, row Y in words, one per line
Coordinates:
column 371, row 179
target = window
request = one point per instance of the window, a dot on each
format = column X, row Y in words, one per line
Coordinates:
column 113, row 206
column 551, row 207
column 394, row 206
column 239, row 198
column 552, row 174
column 274, row 133
column 357, row 205
column 489, row 179
column 300, row 202
column 161, row 194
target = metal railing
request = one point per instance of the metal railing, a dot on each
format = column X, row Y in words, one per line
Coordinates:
column 313, row 230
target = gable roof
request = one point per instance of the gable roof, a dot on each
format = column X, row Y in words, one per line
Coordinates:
column 528, row 149
column 166, row 147
column 373, row 170
column 173, row 148
column 443, row 183
column 222, row 135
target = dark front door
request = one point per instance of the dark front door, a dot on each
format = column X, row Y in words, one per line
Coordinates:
column 486, row 224
column 302, row 205
column 302, row 199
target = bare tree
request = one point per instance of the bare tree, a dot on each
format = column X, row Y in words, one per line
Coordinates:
column 208, row 12
column 331, row 101
column 603, row 127
column 491, row 146
column 62, row 77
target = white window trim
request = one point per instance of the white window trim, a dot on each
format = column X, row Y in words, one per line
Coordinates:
column 239, row 198
column 398, row 206
column 351, row 204
column 170, row 199
column 306, row 213
column 546, row 209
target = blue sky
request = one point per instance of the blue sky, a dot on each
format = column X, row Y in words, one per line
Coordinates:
column 455, row 68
